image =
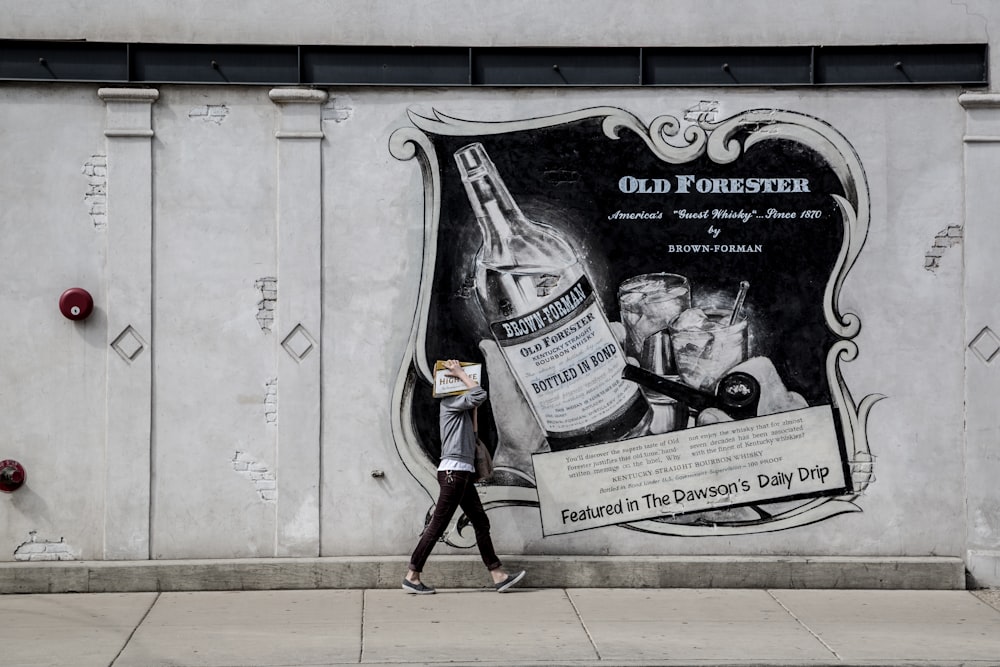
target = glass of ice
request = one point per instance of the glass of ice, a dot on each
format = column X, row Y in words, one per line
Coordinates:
column 705, row 345
column 648, row 303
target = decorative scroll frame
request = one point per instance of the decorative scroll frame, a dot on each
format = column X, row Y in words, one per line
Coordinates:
column 671, row 141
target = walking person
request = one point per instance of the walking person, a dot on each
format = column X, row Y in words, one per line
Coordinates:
column 456, row 476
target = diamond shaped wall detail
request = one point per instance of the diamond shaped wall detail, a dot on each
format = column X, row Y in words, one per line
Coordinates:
column 986, row 345
column 298, row 343
column 128, row 344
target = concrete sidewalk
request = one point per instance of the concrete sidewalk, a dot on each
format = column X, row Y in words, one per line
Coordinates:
column 553, row 626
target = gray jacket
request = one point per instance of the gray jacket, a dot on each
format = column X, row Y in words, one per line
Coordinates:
column 458, row 441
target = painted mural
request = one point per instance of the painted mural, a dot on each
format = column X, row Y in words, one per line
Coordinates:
column 657, row 310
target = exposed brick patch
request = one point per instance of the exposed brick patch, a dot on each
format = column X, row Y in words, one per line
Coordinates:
column 862, row 472
column 705, row 111
column 258, row 473
column 338, row 109
column 96, row 196
column 946, row 238
column 38, row 550
column 268, row 288
column 271, row 401
column 209, row 113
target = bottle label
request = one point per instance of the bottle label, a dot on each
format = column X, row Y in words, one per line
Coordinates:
column 568, row 362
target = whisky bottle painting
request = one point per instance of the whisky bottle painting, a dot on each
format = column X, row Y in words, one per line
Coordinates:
column 544, row 314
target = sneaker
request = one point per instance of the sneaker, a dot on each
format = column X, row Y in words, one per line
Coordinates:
column 509, row 582
column 417, row 589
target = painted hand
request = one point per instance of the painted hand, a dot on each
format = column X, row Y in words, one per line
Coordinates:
column 774, row 396
column 520, row 436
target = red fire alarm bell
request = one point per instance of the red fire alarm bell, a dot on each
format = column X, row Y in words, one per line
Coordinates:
column 76, row 303
column 11, row 476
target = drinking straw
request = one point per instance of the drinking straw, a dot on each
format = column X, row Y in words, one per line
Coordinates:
column 738, row 306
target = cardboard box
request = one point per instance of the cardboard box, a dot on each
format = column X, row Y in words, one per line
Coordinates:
column 446, row 385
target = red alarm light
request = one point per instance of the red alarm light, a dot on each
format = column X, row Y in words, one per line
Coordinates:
column 12, row 476
column 76, row 303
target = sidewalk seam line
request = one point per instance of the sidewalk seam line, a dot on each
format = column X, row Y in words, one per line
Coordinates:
column 583, row 624
column 361, row 648
column 135, row 629
column 807, row 628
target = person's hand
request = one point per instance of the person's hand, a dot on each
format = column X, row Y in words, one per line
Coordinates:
column 454, row 368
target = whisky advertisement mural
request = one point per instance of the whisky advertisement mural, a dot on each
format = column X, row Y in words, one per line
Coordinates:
column 656, row 307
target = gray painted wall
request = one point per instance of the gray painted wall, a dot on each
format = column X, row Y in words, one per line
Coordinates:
column 184, row 452
column 516, row 23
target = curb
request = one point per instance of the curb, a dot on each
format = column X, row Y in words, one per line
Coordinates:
column 778, row 572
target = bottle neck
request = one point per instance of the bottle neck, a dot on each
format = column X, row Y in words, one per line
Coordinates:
column 498, row 215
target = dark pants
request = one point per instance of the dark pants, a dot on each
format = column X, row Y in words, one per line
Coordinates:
column 457, row 490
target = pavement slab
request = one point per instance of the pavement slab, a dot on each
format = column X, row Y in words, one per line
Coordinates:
column 83, row 630
column 694, row 625
column 261, row 628
column 901, row 626
column 463, row 626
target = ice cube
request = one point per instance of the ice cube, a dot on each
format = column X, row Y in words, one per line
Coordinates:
column 692, row 319
column 719, row 319
column 631, row 300
column 647, row 286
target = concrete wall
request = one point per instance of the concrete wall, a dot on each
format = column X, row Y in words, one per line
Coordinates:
column 516, row 23
column 55, row 410
column 214, row 240
column 207, row 438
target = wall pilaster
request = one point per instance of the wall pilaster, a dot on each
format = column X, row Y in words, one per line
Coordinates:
column 128, row 132
column 982, row 331
column 297, row 322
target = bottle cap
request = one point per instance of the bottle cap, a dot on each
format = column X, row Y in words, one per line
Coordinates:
column 472, row 160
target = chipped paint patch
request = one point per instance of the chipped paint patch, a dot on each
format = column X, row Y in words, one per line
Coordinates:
column 42, row 550
column 96, row 196
column 268, row 288
column 263, row 478
column 209, row 113
column 271, row 401
column 338, row 109
column 862, row 472
column 948, row 237
column 706, row 111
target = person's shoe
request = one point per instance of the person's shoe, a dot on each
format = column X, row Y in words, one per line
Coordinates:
column 417, row 588
column 509, row 582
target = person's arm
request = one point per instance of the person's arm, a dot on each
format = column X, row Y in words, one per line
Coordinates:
column 476, row 395
column 454, row 368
